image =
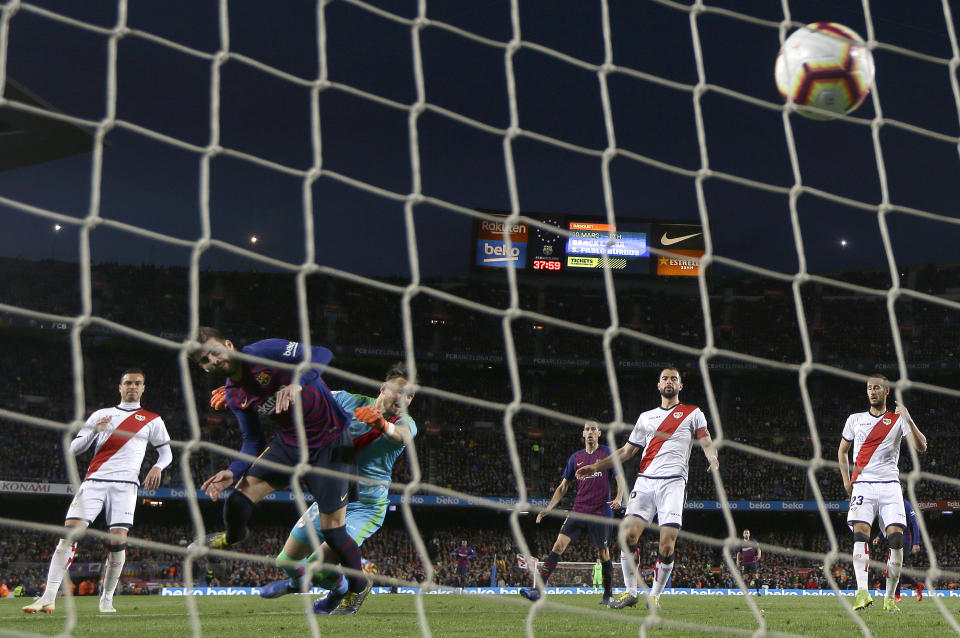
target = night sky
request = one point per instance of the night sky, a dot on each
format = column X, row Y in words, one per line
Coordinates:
column 156, row 185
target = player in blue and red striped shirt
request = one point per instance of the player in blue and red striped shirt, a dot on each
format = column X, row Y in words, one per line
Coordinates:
column 255, row 391
column 748, row 559
column 462, row 555
column 593, row 497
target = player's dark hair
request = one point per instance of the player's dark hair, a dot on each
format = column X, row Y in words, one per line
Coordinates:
column 208, row 332
column 205, row 334
column 877, row 375
column 133, row 371
column 396, row 371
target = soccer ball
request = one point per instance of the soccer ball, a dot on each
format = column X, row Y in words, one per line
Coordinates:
column 825, row 65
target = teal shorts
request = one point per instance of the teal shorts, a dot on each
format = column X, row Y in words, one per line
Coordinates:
column 363, row 519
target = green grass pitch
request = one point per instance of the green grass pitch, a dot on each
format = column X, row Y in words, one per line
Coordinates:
column 387, row 616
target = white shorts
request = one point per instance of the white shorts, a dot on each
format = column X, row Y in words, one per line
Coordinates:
column 663, row 497
column 872, row 500
column 117, row 501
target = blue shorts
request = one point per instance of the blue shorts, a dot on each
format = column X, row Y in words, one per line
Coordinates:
column 599, row 533
column 330, row 491
column 363, row 519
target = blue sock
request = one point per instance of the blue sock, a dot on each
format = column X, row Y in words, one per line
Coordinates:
column 237, row 510
column 349, row 552
column 607, row 574
column 548, row 566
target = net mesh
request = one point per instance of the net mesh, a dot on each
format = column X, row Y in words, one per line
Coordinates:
column 605, row 158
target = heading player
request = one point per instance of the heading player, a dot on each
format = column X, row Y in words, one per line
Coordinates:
column 254, row 390
column 119, row 436
column 378, row 446
column 666, row 435
column 593, row 497
column 874, row 487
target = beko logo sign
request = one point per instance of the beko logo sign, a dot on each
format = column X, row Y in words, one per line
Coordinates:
column 496, row 253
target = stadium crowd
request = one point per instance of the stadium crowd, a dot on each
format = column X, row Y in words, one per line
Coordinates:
column 760, row 415
column 394, row 559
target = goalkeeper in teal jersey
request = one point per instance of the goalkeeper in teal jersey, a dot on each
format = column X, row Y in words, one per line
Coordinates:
column 380, row 431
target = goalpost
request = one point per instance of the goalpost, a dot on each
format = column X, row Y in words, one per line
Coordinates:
column 718, row 114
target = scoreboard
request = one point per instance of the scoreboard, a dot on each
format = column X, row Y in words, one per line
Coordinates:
column 580, row 244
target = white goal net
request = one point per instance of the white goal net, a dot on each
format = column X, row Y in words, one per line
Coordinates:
column 318, row 171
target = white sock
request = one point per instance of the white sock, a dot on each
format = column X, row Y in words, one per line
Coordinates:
column 628, row 566
column 112, row 575
column 861, row 559
column 62, row 557
column 894, row 563
column 663, row 572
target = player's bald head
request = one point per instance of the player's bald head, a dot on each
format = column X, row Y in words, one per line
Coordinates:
column 671, row 371
column 877, row 391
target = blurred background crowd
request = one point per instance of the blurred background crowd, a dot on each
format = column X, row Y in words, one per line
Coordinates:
column 393, row 559
column 773, row 425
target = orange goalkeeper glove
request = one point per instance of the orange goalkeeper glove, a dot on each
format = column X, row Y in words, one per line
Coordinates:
column 218, row 398
column 372, row 417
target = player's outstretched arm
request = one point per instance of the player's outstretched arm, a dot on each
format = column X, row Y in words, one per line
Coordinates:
column 558, row 495
column 916, row 438
column 286, row 396
column 627, row 452
column 401, row 434
column 617, row 502
column 214, row 485
column 396, row 432
column 843, row 458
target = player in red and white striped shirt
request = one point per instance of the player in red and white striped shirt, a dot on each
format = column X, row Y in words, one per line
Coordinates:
column 120, row 436
column 666, row 435
column 874, row 487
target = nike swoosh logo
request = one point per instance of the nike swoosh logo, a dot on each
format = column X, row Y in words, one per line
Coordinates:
column 343, row 498
column 670, row 241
